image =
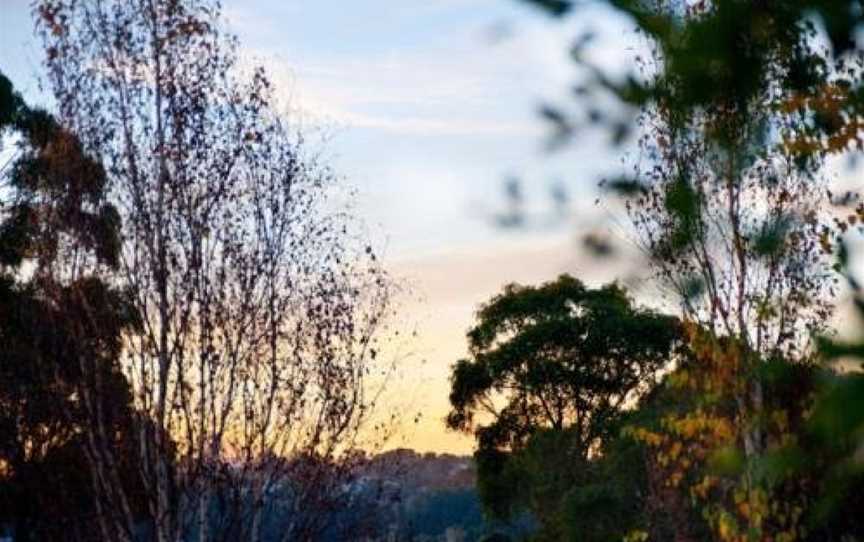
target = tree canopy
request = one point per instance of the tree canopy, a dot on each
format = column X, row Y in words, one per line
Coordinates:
column 553, row 367
column 555, row 356
column 61, row 387
column 259, row 300
column 736, row 110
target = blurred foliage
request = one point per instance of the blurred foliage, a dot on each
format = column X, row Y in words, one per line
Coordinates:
column 724, row 53
column 800, row 487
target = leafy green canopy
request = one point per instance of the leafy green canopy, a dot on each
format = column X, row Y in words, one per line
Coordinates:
column 556, row 356
column 789, row 73
column 551, row 372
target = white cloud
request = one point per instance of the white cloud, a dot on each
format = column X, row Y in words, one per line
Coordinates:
column 444, row 83
column 409, row 94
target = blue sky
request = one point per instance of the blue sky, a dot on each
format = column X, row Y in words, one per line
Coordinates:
column 430, row 104
column 427, row 106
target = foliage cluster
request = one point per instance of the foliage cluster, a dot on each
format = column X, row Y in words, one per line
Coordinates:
column 61, row 384
column 752, row 434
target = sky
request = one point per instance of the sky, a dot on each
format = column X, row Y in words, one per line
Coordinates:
column 426, row 108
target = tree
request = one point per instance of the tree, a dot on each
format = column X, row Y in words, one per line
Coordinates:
column 738, row 230
column 739, row 107
column 552, row 368
column 259, row 304
column 731, row 203
column 737, row 222
column 63, row 398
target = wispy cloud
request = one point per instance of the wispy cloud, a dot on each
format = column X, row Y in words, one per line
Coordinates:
column 409, row 94
column 448, row 81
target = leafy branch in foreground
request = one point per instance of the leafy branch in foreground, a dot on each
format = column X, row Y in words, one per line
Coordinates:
column 737, row 108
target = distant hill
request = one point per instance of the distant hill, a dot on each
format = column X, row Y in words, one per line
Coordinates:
column 425, row 497
column 427, row 471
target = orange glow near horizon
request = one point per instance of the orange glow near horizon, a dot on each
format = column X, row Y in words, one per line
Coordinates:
column 447, row 288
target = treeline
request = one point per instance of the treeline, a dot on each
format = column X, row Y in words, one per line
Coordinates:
column 188, row 328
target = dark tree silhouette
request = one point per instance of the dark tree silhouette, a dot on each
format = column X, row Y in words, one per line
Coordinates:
column 63, row 398
column 260, row 302
column 552, row 367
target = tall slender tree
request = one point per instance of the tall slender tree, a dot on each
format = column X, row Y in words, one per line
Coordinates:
column 259, row 303
column 739, row 107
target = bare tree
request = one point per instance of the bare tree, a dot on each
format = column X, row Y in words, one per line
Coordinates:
column 259, row 303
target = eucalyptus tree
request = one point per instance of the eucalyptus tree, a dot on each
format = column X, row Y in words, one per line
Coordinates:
column 64, row 403
column 553, row 367
column 737, row 106
column 259, row 302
